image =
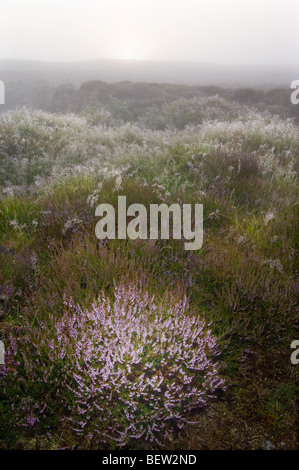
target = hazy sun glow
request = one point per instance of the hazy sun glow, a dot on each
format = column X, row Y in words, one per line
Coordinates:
column 129, row 52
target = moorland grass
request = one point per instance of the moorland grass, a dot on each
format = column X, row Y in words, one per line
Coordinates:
column 55, row 169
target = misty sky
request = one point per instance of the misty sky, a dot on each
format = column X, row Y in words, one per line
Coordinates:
column 217, row 31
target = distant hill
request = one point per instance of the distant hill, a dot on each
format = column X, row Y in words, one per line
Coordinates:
column 140, row 101
column 189, row 73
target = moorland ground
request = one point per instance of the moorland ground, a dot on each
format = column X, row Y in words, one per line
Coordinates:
column 239, row 290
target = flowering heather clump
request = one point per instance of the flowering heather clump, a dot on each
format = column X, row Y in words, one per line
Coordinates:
column 133, row 367
column 139, row 363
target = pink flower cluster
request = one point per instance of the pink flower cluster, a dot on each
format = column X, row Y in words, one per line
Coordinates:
column 139, row 363
column 134, row 366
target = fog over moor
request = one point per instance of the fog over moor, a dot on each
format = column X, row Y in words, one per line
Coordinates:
column 221, row 42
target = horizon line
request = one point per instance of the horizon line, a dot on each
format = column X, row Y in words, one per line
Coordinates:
column 159, row 61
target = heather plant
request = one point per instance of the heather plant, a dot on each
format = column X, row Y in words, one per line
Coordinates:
column 131, row 367
column 183, row 112
column 252, row 296
column 99, row 116
column 6, row 292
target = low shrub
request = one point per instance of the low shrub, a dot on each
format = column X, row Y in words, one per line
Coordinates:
column 128, row 368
